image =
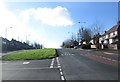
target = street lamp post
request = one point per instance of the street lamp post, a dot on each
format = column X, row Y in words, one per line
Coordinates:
column 6, row 29
column 27, row 37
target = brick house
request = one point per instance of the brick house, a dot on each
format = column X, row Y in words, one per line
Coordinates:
column 111, row 38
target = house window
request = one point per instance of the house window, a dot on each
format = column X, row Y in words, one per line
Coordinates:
column 107, row 36
column 111, row 34
column 106, row 42
column 110, row 41
column 115, row 32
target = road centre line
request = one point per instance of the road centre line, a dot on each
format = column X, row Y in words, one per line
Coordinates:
column 60, row 69
column 58, row 61
column 61, row 73
column 62, row 77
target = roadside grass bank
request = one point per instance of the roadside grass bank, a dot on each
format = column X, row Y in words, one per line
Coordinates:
column 35, row 54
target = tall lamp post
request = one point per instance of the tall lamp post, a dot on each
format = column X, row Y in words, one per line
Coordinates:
column 6, row 29
column 27, row 37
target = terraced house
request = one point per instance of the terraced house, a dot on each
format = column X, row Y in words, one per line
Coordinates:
column 111, row 38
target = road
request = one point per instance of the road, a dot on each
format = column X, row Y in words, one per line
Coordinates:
column 71, row 64
column 76, row 66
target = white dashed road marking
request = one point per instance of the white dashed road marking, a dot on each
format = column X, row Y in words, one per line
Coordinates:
column 60, row 69
column 26, row 62
column 61, row 73
column 62, row 77
column 52, row 63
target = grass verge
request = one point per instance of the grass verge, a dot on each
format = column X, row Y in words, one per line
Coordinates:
column 36, row 54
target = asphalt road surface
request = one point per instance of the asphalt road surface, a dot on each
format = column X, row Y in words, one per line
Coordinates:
column 71, row 64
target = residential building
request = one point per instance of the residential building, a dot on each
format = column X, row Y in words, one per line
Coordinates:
column 110, row 39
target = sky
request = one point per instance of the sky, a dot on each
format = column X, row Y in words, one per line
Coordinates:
column 50, row 23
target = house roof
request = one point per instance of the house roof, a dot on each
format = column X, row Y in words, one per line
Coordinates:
column 114, row 28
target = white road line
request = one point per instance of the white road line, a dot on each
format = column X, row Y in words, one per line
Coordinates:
column 58, row 63
column 59, row 66
column 61, row 73
column 51, row 66
column 60, row 69
column 62, row 78
column 26, row 62
column 108, row 59
column 114, row 60
column 108, row 53
column 52, row 63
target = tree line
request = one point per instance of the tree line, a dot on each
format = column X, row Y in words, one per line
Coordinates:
column 84, row 36
column 17, row 45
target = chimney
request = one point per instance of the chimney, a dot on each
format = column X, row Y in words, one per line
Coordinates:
column 105, row 31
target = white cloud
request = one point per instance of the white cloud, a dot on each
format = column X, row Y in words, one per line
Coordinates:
column 19, row 29
column 58, row 16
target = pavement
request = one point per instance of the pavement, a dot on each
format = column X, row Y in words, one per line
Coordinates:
column 71, row 65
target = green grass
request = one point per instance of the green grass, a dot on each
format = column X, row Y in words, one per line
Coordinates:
column 31, row 54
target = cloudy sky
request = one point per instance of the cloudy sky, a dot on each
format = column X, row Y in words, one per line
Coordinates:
column 50, row 23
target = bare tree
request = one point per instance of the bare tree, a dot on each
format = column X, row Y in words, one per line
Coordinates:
column 97, row 27
column 84, row 34
column 97, row 30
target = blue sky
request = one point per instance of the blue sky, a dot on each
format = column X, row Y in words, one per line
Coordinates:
column 42, row 27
